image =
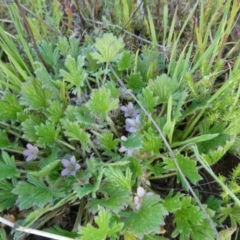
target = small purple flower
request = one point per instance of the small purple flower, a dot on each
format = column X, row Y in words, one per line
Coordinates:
column 129, row 110
column 133, row 125
column 124, row 149
column 71, row 166
column 31, row 152
column 139, row 198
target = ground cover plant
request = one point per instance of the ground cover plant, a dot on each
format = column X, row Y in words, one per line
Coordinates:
column 113, row 115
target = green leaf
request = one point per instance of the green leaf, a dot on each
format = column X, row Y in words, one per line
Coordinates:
column 3, row 234
column 74, row 132
column 213, row 203
column 49, row 54
column 34, row 96
column 87, row 188
column 4, row 140
column 84, row 116
column 126, row 61
column 148, row 219
column 101, row 103
column 46, row 79
column 163, row 87
column 56, row 111
column 107, row 141
column 36, row 193
column 187, row 166
column 218, row 141
column 215, row 155
column 74, row 47
column 28, row 126
column 133, row 141
column 135, row 82
column 148, row 100
column 108, row 47
column 115, row 176
column 173, row 203
column 7, row 198
column 8, row 167
column 202, row 138
column 115, row 92
column 107, row 227
column 233, row 212
column 76, row 73
column 10, row 107
column 113, row 200
column 63, row 45
column 47, row 134
column 70, row 112
column 151, row 142
column 191, row 222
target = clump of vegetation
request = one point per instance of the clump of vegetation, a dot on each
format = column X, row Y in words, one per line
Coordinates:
column 104, row 103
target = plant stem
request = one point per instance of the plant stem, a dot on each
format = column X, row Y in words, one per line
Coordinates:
column 213, row 175
column 112, row 125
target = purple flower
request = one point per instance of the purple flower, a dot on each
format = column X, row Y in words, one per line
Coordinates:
column 124, row 149
column 31, row 152
column 71, row 166
column 139, row 198
column 129, row 110
column 133, row 125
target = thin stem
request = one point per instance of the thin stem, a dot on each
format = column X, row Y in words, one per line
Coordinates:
column 33, row 231
column 209, row 170
column 112, row 125
column 94, row 149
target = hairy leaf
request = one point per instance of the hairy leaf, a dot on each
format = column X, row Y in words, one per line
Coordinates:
column 74, row 132
column 56, row 111
column 8, row 167
column 135, row 82
column 114, row 200
column 4, row 140
column 191, row 222
column 107, row 140
column 133, row 141
column 76, row 73
column 148, row 218
column 187, row 166
column 126, row 61
column 46, row 79
column 148, row 100
column 115, row 176
column 151, row 142
column 173, row 203
column 87, row 188
column 101, row 103
column 35, row 193
column 7, row 198
column 107, row 227
column 10, row 107
column 109, row 47
column 163, row 87
column 47, row 134
column 34, row 96
column 49, row 53
column 29, row 131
